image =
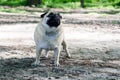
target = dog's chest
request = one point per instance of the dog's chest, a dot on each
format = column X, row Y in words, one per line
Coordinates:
column 48, row 39
column 51, row 40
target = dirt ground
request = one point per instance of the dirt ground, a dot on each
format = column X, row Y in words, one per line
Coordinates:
column 93, row 41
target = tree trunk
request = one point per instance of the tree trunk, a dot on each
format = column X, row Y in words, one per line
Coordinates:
column 82, row 3
column 33, row 2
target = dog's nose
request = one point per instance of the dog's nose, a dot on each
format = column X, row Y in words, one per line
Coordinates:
column 56, row 17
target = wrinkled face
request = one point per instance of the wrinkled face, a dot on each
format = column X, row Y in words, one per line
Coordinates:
column 52, row 19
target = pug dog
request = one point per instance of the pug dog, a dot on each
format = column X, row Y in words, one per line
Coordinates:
column 49, row 35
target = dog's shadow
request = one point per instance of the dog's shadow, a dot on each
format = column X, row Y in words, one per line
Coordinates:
column 16, row 67
column 16, row 63
column 21, row 63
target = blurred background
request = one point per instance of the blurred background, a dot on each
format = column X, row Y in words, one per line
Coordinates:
column 64, row 4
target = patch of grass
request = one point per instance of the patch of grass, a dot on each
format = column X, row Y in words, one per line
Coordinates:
column 114, row 22
column 13, row 3
column 104, row 15
column 72, row 4
column 64, row 4
column 69, row 5
column 12, row 10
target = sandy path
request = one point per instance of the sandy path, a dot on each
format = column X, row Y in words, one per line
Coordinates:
column 84, row 38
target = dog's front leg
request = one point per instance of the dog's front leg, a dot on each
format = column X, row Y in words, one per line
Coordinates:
column 38, row 53
column 56, row 56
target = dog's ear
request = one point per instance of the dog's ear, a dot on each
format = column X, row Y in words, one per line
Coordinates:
column 59, row 15
column 42, row 15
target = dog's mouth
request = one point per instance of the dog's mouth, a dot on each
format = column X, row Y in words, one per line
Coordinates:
column 53, row 23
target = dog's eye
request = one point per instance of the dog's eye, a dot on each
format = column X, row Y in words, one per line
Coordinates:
column 59, row 15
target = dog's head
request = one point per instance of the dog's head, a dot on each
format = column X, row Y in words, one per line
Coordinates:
column 51, row 19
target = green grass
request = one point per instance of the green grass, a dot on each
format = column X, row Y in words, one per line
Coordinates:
column 12, row 10
column 72, row 4
column 69, row 5
column 13, row 3
column 64, row 4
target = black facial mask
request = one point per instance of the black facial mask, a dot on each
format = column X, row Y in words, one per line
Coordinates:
column 54, row 20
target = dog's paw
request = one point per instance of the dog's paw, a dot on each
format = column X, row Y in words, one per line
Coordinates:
column 38, row 65
column 35, row 64
column 46, row 56
column 56, row 64
column 68, row 56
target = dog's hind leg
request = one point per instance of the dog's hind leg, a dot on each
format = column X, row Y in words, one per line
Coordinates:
column 46, row 53
column 66, row 48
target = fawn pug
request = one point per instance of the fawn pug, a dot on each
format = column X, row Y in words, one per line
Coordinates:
column 49, row 35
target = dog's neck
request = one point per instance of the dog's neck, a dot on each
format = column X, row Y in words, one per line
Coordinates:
column 49, row 31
